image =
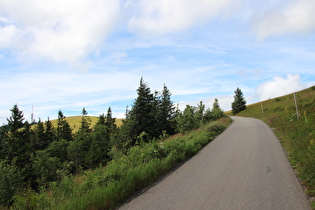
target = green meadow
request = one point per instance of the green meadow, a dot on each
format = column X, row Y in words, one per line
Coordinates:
column 75, row 122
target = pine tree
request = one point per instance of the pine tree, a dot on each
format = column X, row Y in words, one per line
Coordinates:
column 239, row 103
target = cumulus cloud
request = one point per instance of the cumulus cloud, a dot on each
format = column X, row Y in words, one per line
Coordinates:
column 167, row 16
column 60, row 31
column 288, row 17
column 280, row 86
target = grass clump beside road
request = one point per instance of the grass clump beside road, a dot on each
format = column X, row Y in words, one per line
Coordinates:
column 296, row 132
column 107, row 187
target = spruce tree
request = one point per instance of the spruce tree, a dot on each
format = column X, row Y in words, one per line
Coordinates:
column 19, row 146
column 239, row 103
column 39, row 136
column 143, row 113
column 49, row 132
column 110, row 121
column 166, row 112
column 85, row 122
column 16, row 121
column 64, row 130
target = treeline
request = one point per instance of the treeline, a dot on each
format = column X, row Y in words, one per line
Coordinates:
column 34, row 157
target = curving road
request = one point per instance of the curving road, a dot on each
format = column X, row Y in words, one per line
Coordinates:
column 243, row 168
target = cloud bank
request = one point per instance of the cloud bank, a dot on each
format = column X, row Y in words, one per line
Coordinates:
column 280, row 86
column 169, row 16
column 59, row 31
column 294, row 16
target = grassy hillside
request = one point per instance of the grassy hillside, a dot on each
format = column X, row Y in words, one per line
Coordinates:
column 75, row 122
column 296, row 135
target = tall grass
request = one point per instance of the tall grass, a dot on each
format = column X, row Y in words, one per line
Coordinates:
column 296, row 135
column 107, row 187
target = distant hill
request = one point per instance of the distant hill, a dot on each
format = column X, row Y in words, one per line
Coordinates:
column 74, row 122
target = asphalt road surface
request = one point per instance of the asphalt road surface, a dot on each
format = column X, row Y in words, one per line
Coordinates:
column 243, row 168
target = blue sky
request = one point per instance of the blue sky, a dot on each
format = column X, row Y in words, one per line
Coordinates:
column 66, row 55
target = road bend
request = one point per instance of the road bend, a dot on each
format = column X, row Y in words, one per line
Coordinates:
column 243, row 168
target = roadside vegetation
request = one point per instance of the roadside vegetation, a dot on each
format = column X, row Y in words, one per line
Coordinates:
column 98, row 166
column 296, row 131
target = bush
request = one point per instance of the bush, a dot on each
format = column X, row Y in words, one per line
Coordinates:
column 11, row 182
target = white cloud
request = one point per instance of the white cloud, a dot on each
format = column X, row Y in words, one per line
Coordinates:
column 280, row 86
column 288, row 17
column 167, row 16
column 60, row 31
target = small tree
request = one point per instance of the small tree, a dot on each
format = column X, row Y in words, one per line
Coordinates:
column 216, row 111
column 239, row 103
column 187, row 121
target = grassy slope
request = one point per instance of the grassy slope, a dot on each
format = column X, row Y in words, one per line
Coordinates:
column 297, row 136
column 75, row 121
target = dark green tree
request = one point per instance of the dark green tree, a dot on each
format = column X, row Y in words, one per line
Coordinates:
column 166, row 112
column 16, row 121
column 79, row 148
column 20, row 148
column 239, row 103
column 100, row 145
column 3, row 142
column 110, row 121
column 143, row 113
column 49, row 132
column 64, row 130
column 11, row 182
column 85, row 122
column 39, row 138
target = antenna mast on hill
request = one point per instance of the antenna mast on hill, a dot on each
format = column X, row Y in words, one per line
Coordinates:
column 32, row 115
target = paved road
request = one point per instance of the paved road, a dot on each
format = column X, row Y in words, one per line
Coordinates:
column 244, row 168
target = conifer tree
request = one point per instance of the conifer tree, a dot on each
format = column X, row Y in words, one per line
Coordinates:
column 85, row 122
column 39, row 136
column 110, row 121
column 216, row 111
column 166, row 112
column 49, row 132
column 239, row 103
column 19, row 144
column 64, row 130
column 143, row 112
